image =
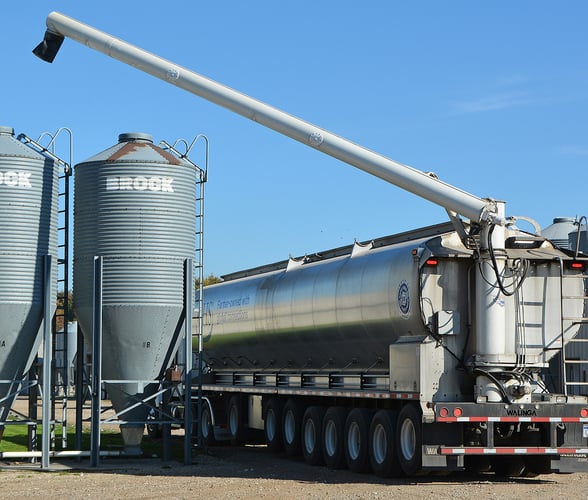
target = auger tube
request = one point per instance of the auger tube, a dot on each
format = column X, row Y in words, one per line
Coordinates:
column 451, row 198
column 487, row 213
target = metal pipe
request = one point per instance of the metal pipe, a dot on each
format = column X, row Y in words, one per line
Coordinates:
column 410, row 179
column 188, row 308
column 96, row 361
column 491, row 345
column 47, row 359
column 57, row 454
column 80, row 386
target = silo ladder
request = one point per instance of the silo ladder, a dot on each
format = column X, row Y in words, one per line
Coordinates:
column 60, row 375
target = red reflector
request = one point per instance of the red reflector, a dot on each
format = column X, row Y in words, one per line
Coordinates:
column 431, row 262
column 584, row 412
column 457, row 412
column 576, row 265
column 443, row 412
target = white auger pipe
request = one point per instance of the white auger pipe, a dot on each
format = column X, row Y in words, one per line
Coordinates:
column 60, row 26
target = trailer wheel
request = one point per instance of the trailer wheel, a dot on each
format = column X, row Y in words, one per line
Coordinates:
column 409, row 439
column 272, row 425
column 291, row 424
column 312, row 439
column 206, row 426
column 508, row 466
column 537, row 465
column 235, row 420
column 357, row 428
column 383, row 456
column 334, row 437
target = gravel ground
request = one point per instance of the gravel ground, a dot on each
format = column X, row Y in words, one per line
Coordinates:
column 253, row 472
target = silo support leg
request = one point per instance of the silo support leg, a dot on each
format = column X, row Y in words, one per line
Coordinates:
column 188, row 305
column 47, row 354
column 96, row 363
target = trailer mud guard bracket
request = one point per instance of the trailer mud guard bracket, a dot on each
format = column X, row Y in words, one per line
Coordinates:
column 418, row 364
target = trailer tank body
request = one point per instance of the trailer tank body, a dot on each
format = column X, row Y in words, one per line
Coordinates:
column 342, row 312
column 28, row 210
column 345, row 309
column 134, row 205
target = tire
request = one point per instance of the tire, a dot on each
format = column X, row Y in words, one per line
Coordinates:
column 476, row 464
column 235, row 420
column 311, row 435
column 382, row 445
column 537, row 465
column 272, row 425
column 291, row 426
column 206, row 426
column 333, row 433
column 409, row 439
column 357, row 429
column 508, row 466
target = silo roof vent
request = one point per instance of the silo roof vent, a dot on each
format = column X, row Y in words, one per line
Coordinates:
column 135, row 136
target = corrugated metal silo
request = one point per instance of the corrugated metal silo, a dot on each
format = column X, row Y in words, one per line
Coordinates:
column 28, row 211
column 134, row 205
column 582, row 244
column 560, row 229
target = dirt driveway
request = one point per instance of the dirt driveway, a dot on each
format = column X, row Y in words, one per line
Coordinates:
column 253, row 472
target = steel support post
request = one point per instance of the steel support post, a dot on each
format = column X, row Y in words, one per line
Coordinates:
column 47, row 357
column 188, row 301
column 80, row 385
column 96, row 363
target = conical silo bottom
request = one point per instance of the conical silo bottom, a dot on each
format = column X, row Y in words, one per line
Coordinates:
column 137, row 346
column 19, row 342
column 126, row 401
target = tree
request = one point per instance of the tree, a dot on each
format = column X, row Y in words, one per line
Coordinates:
column 211, row 279
column 60, row 310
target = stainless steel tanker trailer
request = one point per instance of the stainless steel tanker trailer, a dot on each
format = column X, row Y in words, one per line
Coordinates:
column 427, row 350
column 369, row 355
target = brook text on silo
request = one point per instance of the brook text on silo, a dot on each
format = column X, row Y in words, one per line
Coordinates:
column 140, row 183
column 18, row 179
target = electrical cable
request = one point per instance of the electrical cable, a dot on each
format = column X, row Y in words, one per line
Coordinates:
column 497, row 383
column 499, row 281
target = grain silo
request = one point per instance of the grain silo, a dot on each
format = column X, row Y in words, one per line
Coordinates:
column 135, row 206
column 559, row 231
column 28, row 210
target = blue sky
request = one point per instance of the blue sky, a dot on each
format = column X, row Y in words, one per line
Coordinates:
column 492, row 96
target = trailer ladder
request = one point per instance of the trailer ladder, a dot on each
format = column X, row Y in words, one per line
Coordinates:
column 574, row 351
